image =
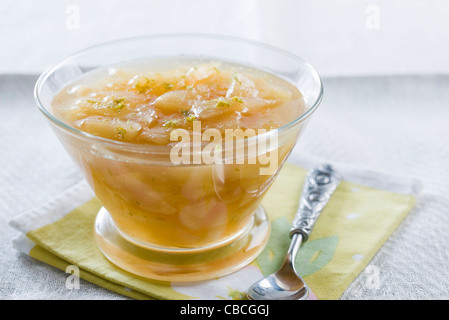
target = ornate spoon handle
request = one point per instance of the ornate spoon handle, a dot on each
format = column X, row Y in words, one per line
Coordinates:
column 318, row 187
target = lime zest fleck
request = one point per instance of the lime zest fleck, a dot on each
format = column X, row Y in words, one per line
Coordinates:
column 191, row 118
column 168, row 86
column 222, row 102
column 236, row 78
column 170, row 123
column 237, row 99
column 185, row 112
column 121, row 132
column 118, row 104
column 142, row 85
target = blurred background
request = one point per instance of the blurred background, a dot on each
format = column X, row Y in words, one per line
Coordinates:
column 339, row 37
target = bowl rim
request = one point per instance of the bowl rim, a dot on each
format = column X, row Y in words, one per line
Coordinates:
column 163, row 148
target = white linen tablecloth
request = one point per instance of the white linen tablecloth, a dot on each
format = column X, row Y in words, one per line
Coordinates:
column 395, row 125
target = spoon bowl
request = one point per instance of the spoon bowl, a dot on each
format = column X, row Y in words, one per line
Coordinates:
column 284, row 284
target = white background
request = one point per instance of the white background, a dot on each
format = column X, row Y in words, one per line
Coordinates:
column 339, row 37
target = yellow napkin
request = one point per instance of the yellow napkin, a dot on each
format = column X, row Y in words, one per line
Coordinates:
column 351, row 229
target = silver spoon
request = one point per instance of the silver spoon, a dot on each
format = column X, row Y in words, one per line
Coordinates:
column 286, row 284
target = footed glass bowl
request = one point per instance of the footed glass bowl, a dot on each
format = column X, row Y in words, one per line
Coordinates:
column 180, row 222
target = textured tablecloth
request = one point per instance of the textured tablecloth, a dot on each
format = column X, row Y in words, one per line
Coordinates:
column 396, row 124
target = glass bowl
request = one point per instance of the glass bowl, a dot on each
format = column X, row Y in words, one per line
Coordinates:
column 172, row 221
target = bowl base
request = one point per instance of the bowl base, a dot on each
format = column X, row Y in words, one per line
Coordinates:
column 181, row 265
